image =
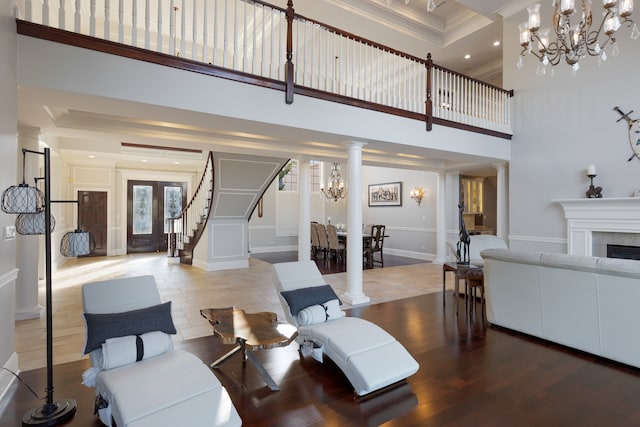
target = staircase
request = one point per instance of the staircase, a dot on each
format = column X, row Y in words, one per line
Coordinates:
column 187, row 228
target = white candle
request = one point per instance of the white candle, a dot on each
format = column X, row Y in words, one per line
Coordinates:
column 591, row 170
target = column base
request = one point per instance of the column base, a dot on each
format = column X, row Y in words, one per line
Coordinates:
column 33, row 313
column 355, row 300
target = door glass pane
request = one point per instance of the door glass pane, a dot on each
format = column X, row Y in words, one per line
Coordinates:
column 142, row 204
column 172, row 204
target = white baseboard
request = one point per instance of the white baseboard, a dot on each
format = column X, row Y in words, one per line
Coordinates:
column 6, row 378
column 223, row 265
column 410, row 254
column 269, row 249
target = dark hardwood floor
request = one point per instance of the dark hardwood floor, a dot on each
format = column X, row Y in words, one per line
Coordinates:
column 330, row 265
column 471, row 374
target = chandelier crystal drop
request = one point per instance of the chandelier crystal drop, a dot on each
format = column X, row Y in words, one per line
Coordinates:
column 574, row 36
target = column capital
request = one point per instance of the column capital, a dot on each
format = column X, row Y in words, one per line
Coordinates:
column 356, row 145
column 29, row 132
column 500, row 165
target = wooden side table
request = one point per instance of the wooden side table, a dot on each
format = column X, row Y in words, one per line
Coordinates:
column 250, row 332
column 473, row 276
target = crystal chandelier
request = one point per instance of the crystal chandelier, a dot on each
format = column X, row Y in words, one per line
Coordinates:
column 335, row 190
column 574, row 40
column 431, row 4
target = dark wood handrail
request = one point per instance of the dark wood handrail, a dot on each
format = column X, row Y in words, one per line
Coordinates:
column 106, row 46
column 440, row 67
column 288, row 86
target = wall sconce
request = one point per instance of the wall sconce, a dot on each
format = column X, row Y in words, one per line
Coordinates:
column 417, row 194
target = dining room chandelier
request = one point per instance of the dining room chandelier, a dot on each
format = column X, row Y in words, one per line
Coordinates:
column 574, row 36
column 431, row 4
column 335, row 185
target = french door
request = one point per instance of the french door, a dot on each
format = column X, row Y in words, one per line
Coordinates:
column 149, row 205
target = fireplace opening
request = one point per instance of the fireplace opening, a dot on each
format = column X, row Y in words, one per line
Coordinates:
column 621, row 251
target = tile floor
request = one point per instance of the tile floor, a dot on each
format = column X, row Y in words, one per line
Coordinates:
column 190, row 289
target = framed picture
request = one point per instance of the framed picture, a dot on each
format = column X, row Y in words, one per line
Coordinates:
column 387, row 194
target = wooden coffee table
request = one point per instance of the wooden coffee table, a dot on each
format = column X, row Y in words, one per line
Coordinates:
column 472, row 274
column 250, row 332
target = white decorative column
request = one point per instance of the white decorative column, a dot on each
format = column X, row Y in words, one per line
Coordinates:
column 502, row 215
column 354, row 294
column 28, row 247
column 304, row 212
column 441, row 220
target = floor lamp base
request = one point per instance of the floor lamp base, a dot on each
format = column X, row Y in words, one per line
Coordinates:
column 50, row 415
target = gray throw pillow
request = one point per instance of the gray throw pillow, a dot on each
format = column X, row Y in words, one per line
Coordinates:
column 299, row 299
column 134, row 322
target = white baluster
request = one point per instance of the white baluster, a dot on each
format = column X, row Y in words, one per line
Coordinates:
column 107, row 20
column 194, row 37
column 134, row 23
column 205, row 34
column 45, row 12
column 76, row 17
column 271, row 46
column 224, row 50
column 183, row 29
column 254, row 45
column 235, row 35
column 121, row 21
column 147, row 25
column 92, row 18
column 28, row 14
column 215, row 31
column 61, row 15
column 172, row 29
column 159, row 43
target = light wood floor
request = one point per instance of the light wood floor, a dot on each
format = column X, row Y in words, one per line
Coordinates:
column 190, row 289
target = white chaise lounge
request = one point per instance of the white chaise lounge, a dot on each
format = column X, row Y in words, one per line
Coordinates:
column 169, row 389
column 370, row 358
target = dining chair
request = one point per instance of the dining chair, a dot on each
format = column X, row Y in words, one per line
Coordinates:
column 315, row 243
column 322, row 239
column 335, row 246
column 377, row 243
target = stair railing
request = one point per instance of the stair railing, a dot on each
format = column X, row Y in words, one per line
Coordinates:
column 187, row 228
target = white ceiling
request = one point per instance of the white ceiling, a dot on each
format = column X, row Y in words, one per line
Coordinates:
column 456, row 27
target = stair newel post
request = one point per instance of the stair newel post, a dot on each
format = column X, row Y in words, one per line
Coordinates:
column 429, row 101
column 289, row 65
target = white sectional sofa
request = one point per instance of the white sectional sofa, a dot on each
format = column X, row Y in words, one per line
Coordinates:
column 583, row 302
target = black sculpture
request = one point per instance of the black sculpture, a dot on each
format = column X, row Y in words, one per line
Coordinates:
column 462, row 247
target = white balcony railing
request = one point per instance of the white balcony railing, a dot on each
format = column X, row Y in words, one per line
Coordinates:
column 250, row 36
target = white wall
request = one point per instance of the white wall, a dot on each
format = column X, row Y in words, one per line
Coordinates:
column 411, row 228
column 8, row 177
column 562, row 124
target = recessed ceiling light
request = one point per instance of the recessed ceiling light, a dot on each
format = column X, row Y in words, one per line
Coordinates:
column 91, row 156
column 496, row 43
column 467, row 56
column 144, row 160
column 176, row 163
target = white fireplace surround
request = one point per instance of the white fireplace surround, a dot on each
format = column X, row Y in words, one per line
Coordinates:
column 588, row 216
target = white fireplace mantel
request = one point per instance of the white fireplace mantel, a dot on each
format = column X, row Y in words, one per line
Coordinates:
column 585, row 216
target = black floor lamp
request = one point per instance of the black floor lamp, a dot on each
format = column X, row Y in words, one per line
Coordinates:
column 34, row 209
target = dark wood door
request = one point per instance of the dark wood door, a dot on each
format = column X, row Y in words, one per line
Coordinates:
column 149, row 205
column 92, row 217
